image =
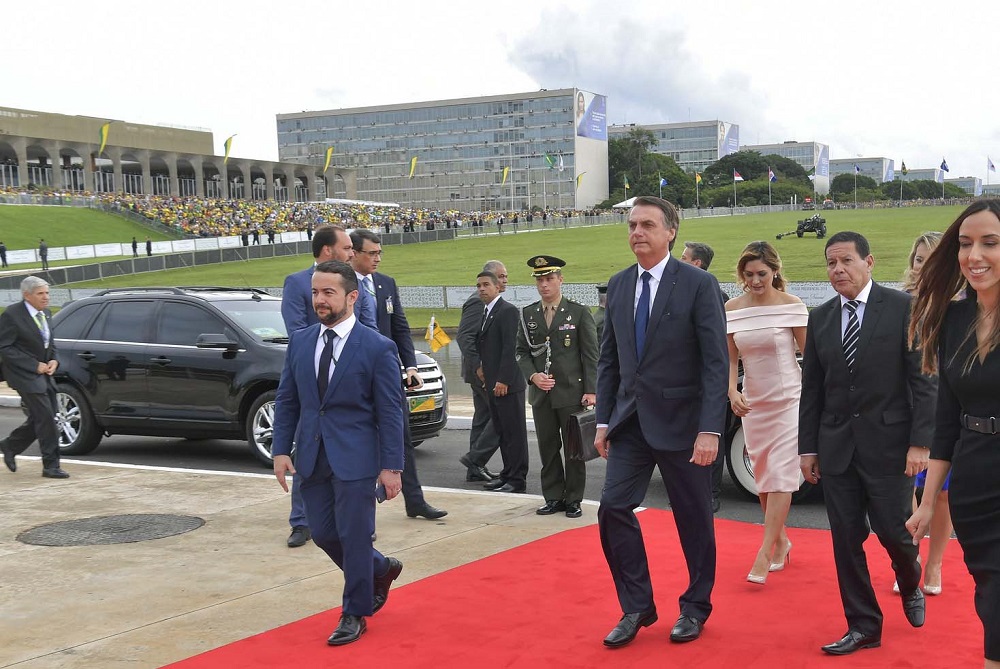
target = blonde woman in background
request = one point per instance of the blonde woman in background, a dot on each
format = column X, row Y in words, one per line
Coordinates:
column 941, row 528
column 764, row 326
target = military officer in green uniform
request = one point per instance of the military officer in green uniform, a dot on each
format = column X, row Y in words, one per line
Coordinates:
column 557, row 351
column 602, row 301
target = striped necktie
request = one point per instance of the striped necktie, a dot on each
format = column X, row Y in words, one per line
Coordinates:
column 852, row 334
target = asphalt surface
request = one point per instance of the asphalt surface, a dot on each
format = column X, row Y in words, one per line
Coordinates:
column 437, row 465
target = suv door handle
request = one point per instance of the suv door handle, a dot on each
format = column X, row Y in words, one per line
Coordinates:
column 86, row 356
column 160, row 360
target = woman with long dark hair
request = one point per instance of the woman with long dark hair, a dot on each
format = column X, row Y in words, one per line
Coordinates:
column 959, row 341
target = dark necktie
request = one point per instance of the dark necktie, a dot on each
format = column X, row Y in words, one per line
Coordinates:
column 486, row 312
column 642, row 315
column 852, row 334
column 325, row 358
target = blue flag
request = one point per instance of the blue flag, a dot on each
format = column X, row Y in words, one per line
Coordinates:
column 944, row 165
column 857, row 170
column 770, row 175
column 663, row 182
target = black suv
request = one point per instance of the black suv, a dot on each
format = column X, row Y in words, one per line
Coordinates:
column 193, row 362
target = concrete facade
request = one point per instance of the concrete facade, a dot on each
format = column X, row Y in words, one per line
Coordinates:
column 473, row 154
column 58, row 151
column 810, row 155
column 882, row 170
column 693, row 145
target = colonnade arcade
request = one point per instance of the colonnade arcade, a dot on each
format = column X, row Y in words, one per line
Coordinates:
column 69, row 166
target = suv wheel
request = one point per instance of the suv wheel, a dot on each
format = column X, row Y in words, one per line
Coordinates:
column 75, row 423
column 260, row 423
column 741, row 471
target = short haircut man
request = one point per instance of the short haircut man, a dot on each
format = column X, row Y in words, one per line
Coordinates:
column 699, row 254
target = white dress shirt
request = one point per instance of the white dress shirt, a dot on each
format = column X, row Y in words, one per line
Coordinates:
column 342, row 330
column 656, row 272
column 862, row 298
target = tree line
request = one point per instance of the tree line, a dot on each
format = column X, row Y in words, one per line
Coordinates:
column 631, row 161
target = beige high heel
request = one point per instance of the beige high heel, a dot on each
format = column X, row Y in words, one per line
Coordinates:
column 757, row 578
column 787, row 559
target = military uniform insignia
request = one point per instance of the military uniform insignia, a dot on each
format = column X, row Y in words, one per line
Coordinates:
column 566, row 341
column 540, row 261
column 532, row 325
column 569, row 318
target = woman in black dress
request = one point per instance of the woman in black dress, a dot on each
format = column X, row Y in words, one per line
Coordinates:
column 960, row 341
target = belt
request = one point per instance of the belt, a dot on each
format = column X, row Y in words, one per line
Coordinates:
column 983, row 425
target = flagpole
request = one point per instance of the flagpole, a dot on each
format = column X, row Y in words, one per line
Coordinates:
column 734, row 191
column 697, row 192
column 768, row 186
column 545, row 195
column 855, row 187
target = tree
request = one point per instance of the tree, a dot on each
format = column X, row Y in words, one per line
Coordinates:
column 843, row 184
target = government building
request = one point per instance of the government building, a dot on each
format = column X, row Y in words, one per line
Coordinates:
column 40, row 150
column 543, row 149
column 693, row 145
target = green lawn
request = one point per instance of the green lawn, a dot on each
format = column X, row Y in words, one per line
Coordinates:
column 22, row 226
column 594, row 253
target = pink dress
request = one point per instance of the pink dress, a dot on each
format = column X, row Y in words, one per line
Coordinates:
column 772, row 383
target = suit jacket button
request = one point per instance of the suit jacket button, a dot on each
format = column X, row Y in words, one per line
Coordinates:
column 323, row 413
column 855, row 415
column 852, row 389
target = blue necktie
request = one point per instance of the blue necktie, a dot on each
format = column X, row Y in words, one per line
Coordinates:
column 325, row 358
column 642, row 315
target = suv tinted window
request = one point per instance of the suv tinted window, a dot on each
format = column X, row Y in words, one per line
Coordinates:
column 74, row 324
column 181, row 323
column 124, row 321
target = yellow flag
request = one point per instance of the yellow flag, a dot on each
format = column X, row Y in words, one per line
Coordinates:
column 579, row 178
column 229, row 146
column 506, row 171
column 104, row 137
column 329, row 156
column 697, row 177
column 413, row 166
column 437, row 337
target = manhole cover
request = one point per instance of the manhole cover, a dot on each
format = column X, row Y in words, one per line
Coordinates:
column 110, row 530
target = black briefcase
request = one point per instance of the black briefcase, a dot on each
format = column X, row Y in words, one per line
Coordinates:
column 580, row 430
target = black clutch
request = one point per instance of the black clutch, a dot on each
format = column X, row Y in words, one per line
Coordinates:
column 581, row 428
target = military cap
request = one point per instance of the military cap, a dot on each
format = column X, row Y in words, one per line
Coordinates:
column 542, row 265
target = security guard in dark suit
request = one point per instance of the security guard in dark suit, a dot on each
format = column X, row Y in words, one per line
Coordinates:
column 557, row 350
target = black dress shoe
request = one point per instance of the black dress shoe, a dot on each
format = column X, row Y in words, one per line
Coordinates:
column 350, row 629
column 573, row 510
column 551, row 506
column 476, row 472
column 427, row 511
column 382, row 583
column 851, row 642
column 8, row 458
column 299, row 536
column 913, row 608
column 686, row 629
column 493, row 485
column 510, row 487
column 54, row 473
column 628, row 627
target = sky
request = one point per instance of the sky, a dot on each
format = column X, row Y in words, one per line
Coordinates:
column 902, row 80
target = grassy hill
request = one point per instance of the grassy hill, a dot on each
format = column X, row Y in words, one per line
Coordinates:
column 22, row 226
column 593, row 254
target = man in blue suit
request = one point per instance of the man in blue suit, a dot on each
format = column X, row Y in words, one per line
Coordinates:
column 662, row 381
column 392, row 323
column 330, row 242
column 340, row 402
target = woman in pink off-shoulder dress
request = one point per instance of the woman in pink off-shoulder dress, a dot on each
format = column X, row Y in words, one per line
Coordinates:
column 765, row 325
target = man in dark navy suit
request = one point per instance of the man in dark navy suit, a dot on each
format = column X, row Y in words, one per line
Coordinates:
column 392, row 323
column 340, row 402
column 330, row 242
column 662, row 381
column 504, row 383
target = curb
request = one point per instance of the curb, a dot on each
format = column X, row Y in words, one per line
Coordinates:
column 465, row 423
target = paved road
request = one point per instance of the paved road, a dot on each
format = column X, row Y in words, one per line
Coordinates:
column 437, row 463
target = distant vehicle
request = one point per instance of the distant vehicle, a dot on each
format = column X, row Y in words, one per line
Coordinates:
column 808, row 205
column 828, row 204
column 814, row 223
column 191, row 362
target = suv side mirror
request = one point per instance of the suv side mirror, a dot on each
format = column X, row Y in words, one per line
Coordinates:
column 217, row 341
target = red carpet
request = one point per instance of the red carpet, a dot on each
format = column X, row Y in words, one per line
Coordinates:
column 550, row 603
